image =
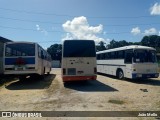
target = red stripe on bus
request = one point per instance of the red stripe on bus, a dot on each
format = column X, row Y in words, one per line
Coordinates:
column 76, row 78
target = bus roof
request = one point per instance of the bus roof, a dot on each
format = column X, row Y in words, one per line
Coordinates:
column 77, row 40
column 126, row 47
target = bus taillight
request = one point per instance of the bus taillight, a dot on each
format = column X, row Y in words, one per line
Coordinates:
column 95, row 70
column 64, row 71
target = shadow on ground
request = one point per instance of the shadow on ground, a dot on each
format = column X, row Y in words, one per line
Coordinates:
column 153, row 81
column 32, row 83
column 4, row 79
column 89, row 86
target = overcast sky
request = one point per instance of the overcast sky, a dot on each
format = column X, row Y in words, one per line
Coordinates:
column 52, row 21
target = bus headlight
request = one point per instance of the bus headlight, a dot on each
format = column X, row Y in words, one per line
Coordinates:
column 139, row 75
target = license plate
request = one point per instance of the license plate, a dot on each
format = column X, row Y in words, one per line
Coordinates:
column 20, row 68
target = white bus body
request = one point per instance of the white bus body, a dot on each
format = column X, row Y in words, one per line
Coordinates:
column 130, row 62
column 78, row 60
column 25, row 58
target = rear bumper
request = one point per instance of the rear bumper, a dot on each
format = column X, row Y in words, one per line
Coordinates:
column 149, row 75
column 78, row 78
column 20, row 72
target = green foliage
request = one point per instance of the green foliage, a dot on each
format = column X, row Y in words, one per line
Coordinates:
column 114, row 101
column 151, row 41
column 121, row 43
column 55, row 51
column 101, row 46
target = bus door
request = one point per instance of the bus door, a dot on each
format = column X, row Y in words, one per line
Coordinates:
column 128, row 62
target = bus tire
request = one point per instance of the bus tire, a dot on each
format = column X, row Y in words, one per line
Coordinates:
column 120, row 74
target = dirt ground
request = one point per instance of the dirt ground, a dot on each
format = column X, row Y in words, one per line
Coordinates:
column 104, row 94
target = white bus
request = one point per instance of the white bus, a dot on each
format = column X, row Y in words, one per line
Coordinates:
column 128, row 62
column 78, row 60
column 25, row 59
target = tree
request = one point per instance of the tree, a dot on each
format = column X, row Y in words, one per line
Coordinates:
column 101, row 46
column 151, row 41
column 116, row 44
column 55, row 51
column 145, row 41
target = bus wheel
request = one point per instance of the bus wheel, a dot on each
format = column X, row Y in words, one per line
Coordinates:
column 120, row 74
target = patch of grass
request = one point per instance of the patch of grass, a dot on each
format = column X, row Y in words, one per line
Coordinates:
column 120, row 102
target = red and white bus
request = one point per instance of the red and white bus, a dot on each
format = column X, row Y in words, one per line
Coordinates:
column 78, row 60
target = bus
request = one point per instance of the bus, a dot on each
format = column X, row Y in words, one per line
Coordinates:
column 128, row 62
column 25, row 59
column 78, row 60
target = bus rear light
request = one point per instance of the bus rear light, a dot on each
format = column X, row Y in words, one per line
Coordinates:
column 64, row 71
column 95, row 70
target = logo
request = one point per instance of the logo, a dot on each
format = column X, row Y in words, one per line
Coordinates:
column 6, row 114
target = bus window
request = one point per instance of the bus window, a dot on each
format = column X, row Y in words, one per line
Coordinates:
column 128, row 56
column 141, row 56
column 26, row 49
column 120, row 54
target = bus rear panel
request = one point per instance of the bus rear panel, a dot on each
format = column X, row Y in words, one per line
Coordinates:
column 25, row 58
column 79, row 60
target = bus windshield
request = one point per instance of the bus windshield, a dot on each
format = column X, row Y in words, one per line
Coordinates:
column 141, row 56
column 20, row 49
column 79, row 48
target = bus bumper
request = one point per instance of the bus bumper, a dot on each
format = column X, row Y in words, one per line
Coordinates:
column 139, row 75
column 78, row 78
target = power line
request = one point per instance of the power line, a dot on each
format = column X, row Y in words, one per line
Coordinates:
column 31, row 12
column 47, row 22
column 48, row 41
column 66, row 15
column 27, row 29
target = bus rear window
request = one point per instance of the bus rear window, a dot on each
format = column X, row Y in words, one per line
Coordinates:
column 79, row 48
column 20, row 49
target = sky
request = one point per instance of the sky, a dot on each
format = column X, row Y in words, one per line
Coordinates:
column 51, row 21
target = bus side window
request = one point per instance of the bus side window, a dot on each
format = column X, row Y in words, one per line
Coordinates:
column 120, row 54
column 128, row 56
column 106, row 56
column 39, row 51
column 98, row 56
column 42, row 55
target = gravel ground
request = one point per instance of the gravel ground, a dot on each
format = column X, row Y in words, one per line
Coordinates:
column 104, row 94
